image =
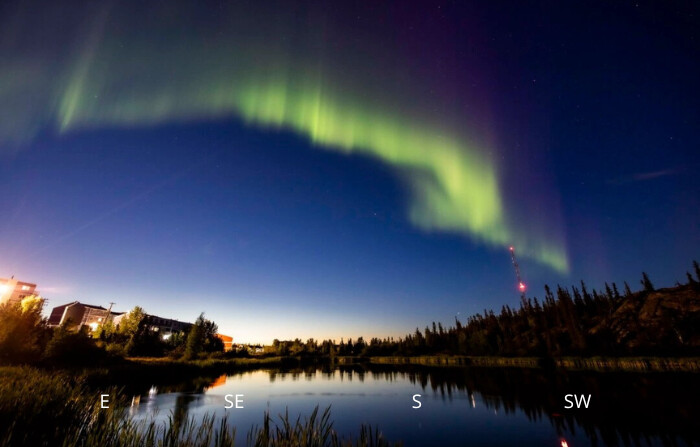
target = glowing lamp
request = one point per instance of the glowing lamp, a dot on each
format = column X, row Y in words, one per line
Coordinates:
column 521, row 286
column 93, row 326
column 564, row 443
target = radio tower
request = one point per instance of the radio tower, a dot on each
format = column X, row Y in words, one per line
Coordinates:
column 521, row 284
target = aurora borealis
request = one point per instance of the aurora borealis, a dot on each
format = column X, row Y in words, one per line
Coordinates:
column 421, row 91
column 133, row 79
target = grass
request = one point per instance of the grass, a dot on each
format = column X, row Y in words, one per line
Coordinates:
column 313, row 431
column 55, row 409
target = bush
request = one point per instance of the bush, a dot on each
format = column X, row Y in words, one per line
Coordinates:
column 73, row 348
column 115, row 349
column 23, row 334
column 145, row 343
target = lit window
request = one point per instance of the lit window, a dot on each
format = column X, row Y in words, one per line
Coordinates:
column 25, row 287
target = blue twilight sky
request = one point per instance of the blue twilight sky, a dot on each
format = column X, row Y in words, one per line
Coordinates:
column 589, row 112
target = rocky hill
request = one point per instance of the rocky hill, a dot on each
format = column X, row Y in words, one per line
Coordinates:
column 657, row 319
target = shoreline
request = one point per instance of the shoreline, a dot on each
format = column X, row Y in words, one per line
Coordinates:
column 599, row 364
column 165, row 370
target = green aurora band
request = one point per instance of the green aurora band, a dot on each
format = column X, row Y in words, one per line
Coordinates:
column 454, row 185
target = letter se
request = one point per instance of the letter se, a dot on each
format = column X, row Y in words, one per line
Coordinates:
column 230, row 404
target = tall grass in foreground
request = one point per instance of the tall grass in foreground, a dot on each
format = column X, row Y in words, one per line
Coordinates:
column 313, row 432
column 41, row 409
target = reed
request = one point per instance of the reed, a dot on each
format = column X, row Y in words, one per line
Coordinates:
column 314, row 431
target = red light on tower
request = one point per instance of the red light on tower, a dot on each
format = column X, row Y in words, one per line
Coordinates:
column 521, row 284
column 564, row 443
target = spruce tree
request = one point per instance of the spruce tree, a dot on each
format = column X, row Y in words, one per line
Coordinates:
column 646, row 282
column 608, row 291
column 195, row 339
column 628, row 291
column 616, row 293
column 586, row 296
column 548, row 296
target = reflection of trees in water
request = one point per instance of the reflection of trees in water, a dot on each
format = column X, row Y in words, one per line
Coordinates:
column 313, row 372
column 179, row 412
column 625, row 409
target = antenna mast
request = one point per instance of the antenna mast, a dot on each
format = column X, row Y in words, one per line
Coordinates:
column 521, row 284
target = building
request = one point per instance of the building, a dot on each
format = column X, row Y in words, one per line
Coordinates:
column 165, row 326
column 227, row 341
column 77, row 315
column 13, row 291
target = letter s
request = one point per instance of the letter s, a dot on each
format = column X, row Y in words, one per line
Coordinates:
column 566, row 398
column 415, row 407
column 229, row 403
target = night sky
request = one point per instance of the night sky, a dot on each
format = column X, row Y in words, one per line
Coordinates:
column 348, row 168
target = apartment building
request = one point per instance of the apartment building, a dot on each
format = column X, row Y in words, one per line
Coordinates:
column 79, row 314
column 13, row 291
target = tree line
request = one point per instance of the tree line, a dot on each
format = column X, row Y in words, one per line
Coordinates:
column 567, row 321
column 135, row 336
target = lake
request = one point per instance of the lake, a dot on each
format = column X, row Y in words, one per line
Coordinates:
column 458, row 406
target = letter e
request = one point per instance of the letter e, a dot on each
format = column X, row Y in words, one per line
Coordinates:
column 239, row 401
column 104, row 401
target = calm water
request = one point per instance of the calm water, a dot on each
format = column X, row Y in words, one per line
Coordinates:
column 477, row 406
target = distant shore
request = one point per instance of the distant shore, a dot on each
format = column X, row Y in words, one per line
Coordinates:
column 629, row 364
column 632, row 364
column 138, row 370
